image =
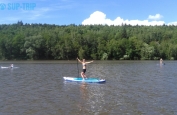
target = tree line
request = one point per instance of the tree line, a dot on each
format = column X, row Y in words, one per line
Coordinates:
column 99, row 42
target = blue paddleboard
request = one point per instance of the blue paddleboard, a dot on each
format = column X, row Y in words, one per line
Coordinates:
column 78, row 79
column 2, row 67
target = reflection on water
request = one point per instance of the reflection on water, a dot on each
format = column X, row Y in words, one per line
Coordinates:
column 92, row 98
column 83, row 97
column 132, row 87
column 83, row 91
column 89, row 99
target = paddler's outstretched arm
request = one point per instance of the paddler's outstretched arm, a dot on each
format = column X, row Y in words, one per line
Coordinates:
column 89, row 61
column 79, row 60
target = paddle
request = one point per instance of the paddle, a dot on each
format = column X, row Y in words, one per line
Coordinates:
column 77, row 68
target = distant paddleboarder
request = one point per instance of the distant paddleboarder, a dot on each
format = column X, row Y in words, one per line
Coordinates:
column 161, row 61
column 12, row 65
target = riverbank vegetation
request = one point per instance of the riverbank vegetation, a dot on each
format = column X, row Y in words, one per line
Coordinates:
column 99, row 42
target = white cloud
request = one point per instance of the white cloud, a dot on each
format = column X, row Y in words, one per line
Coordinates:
column 173, row 23
column 96, row 18
column 100, row 18
column 156, row 17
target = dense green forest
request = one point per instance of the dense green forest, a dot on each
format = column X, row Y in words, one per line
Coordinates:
column 99, row 42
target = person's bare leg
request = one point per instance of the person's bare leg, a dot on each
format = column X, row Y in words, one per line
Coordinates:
column 82, row 75
column 85, row 76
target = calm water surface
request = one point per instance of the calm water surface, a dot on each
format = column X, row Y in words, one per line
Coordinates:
column 131, row 88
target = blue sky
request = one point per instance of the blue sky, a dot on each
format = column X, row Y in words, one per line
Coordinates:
column 110, row 12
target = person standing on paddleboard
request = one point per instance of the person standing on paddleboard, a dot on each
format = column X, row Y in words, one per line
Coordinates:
column 12, row 65
column 84, row 67
column 161, row 61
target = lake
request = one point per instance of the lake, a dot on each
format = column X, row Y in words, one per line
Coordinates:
column 131, row 88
